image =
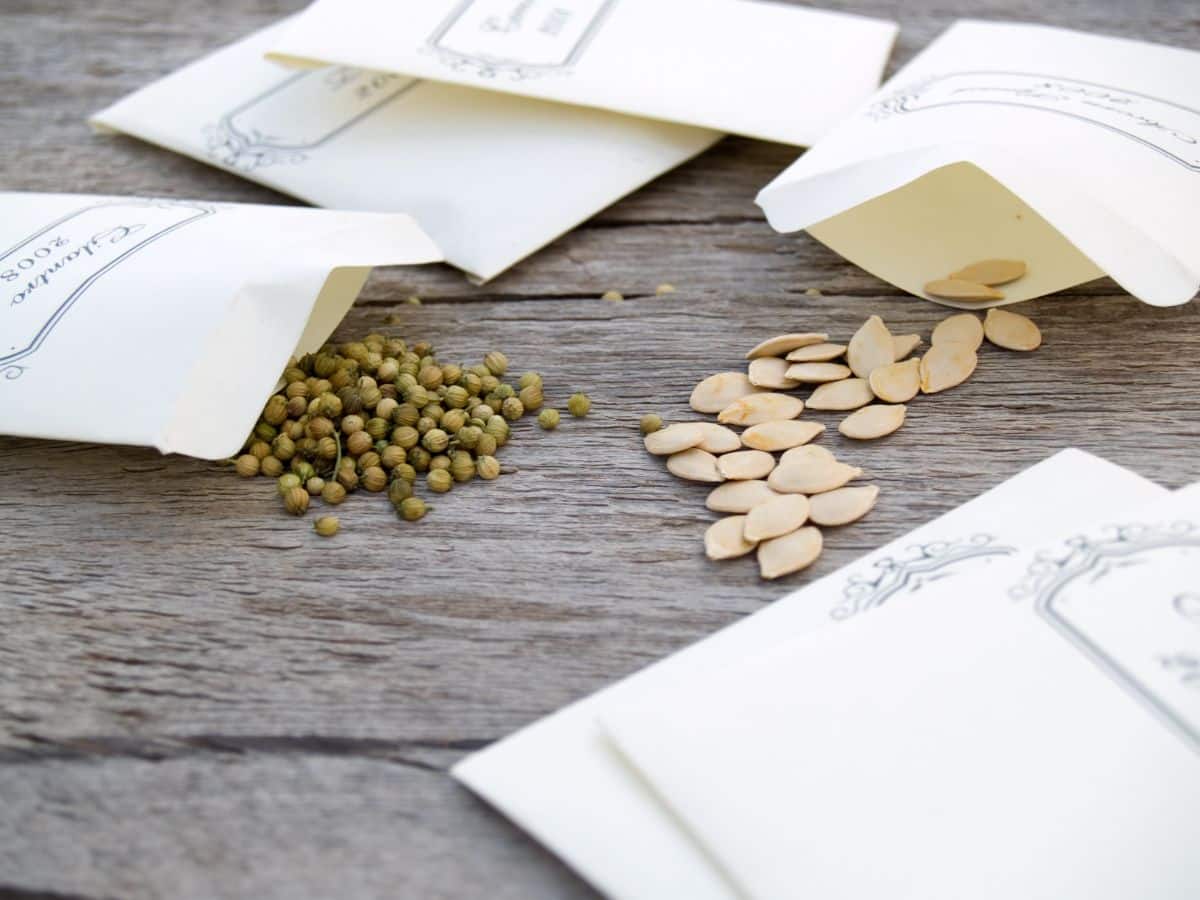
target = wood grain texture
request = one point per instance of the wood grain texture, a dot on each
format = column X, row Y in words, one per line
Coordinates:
column 200, row 698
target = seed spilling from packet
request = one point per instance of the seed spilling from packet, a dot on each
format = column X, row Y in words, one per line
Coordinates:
column 978, row 281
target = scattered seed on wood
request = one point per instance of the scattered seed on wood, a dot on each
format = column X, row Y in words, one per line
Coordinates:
column 870, row 348
column 818, row 373
column 768, row 372
column 807, row 454
column 718, row 439
column 991, row 272
column 784, row 343
column 759, row 408
column 956, row 289
column 745, row 465
column 716, row 392
column 946, row 366
column 873, row 422
column 817, row 353
column 739, row 496
column 778, row 516
column 897, row 383
column 725, row 538
column 775, row 436
column 843, row 506
column 694, row 465
column 964, row 328
column 839, row 396
column 1011, row 331
column 675, row 438
column 784, row 555
column 811, row 477
column 905, row 344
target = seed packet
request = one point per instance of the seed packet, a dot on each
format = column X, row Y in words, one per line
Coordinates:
column 1077, row 154
column 166, row 323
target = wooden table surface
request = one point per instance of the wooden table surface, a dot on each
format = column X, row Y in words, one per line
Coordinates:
column 199, row 698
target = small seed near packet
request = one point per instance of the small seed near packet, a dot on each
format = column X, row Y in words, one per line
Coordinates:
column 1072, row 155
column 166, row 323
column 490, row 178
column 763, row 70
column 562, row 780
column 1032, row 735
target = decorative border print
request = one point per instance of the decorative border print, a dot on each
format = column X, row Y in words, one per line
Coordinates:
column 909, row 573
column 44, row 275
column 519, row 39
column 1139, row 629
column 299, row 114
column 1167, row 128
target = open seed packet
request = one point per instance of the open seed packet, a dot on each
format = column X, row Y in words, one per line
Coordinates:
column 765, row 70
column 490, row 178
column 1075, row 154
column 168, row 322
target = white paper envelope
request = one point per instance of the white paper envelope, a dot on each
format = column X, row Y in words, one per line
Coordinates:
column 764, row 70
column 490, row 178
column 561, row 779
column 1076, row 153
column 1034, row 736
column 204, row 303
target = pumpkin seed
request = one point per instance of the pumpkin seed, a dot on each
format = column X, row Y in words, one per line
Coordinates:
column 718, row 439
column 964, row 328
column 784, row 555
column 767, row 372
column 760, row 408
column 716, row 392
column 811, row 476
column 905, row 344
column 1011, row 331
column 870, row 348
column 775, row 436
column 739, row 496
column 778, row 516
column 675, row 438
column 957, row 289
column 745, row 465
column 784, row 343
column 897, row 383
column 724, row 538
column 817, row 373
column 694, row 465
column 991, row 271
column 806, row 454
column 817, row 353
column 843, row 506
column 873, row 422
column 946, row 366
column 840, row 396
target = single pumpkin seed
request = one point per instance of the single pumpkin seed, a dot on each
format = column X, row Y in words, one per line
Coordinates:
column 840, row 396
column 745, row 465
column 758, row 408
column 775, row 436
column 811, row 476
column 905, row 344
column 843, row 506
column 725, row 538
column 957, row 289
column 1011, row 331
column 806, row 454
column 694, row 465
column 675, row 438
column 946, row 366
column 873, row 422
column 818, row 373
column 785, row 343
column 784, row 555
column 897, row 383
column 718, row 439
column 817, row 353
column 870, row 348
column 992, row 271
column 767, row 372
column 964, row 328
column 716, row 392
column 778, row 516
column 739, row 496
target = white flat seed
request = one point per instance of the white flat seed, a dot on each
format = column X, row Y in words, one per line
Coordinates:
column 739, row 496
column 724, row 538
column 778, row 516
column 897, row 383
column 807, row 454
column 784, row 555
column 767, row 372
column 811, row 477
column 745, row 465
column 818, row 373
column 958, row 289
column 775, row 436
column 905, row 344
column 840, row 396
column 843, row 506
column 716, row 392
column 817, row 353
column 694, row 465
column 759, row 408
column 992, row 271
column 873, row 422
column 784, row 343
column 964, row 328
column 675, row 438
column 946, row 366
column 718, row 439
column 1011, row 331
column 870, row 348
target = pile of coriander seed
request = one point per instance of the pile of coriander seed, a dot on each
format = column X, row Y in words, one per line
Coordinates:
column 377, row 414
